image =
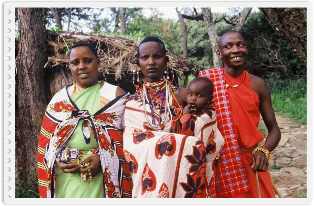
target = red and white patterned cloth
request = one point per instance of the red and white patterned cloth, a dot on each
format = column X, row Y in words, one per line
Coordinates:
column 59, row 122
column 165, row 164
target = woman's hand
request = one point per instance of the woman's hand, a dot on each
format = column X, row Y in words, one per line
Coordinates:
column 68, row 167
column 91, row 165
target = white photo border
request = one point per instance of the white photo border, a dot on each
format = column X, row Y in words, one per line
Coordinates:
column 8, row 100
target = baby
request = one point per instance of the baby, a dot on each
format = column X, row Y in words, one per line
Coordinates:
column 196, row 102
column 199, row 95
column 199, row 117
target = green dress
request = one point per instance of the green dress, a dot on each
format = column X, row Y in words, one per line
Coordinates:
column 70, row 184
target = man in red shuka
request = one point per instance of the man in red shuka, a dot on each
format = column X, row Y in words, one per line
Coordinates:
column 239, row 99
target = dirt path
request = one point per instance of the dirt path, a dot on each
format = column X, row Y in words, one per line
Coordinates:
column 288, row 165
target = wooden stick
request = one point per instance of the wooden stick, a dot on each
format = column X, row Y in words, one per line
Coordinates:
column 258, row 186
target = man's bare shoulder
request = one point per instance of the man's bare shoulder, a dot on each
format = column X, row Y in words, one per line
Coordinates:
column 258, row 84
column 257, row 79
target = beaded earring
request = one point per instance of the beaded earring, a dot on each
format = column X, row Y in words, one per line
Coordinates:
column 166, row 74
column 172, row 74
column 138, row 77
column 133, row 76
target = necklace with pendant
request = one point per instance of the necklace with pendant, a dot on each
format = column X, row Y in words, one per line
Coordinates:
column 154, row 93
column 232, row 83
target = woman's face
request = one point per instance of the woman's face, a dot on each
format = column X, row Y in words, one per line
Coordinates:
column 83, row 66
column 152, row 61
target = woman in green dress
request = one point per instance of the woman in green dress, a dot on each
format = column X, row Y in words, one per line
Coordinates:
column 80, row 143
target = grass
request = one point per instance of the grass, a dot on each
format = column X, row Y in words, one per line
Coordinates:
column 289, row 98
column 301, row 194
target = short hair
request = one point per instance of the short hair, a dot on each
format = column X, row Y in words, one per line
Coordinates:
column 91, row 45
column 209, row 85
column 227, row 31
column 153, row 39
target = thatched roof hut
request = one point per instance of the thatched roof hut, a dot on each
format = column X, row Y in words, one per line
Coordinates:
column 116, row 54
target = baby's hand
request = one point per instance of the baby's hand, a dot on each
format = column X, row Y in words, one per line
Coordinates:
column 189, row 108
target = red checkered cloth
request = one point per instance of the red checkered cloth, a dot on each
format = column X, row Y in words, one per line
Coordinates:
column 230, row 177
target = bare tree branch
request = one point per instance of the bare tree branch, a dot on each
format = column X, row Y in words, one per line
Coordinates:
column 184, row 34
column 242, row 18
column 228, row 21
column 196, row 18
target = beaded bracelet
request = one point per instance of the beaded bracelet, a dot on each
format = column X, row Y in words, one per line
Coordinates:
column 263, row 149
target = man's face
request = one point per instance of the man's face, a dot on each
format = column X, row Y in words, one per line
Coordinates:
column 152, row 61
column 233, row 50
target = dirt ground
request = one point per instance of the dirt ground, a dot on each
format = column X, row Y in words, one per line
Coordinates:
column 289, row 163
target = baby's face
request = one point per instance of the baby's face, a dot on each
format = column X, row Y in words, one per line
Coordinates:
column 198, row 95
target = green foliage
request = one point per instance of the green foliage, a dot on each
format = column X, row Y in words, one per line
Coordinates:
column 55, row 29
column 199, row 50
column 167, row 30
column 76, row 14
column 289, row 97
column 267, row 47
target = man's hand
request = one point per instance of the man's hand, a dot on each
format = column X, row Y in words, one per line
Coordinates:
column 260, row 162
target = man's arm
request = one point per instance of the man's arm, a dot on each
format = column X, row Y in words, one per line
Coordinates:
column 269, row 118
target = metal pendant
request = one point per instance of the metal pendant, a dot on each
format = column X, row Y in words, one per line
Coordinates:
column 86, row 130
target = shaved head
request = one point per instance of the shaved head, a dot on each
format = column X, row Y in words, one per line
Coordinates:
column 226, row 34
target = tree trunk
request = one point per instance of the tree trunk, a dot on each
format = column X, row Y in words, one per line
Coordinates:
column 116, row 21
column 122, row 19
column 243, row 17
column 57, row 17
column 31, row 94
column 184, row 35
column 212, row 33
column 69, row 19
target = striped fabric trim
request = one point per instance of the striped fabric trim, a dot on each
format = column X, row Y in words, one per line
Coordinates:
column 45, row 133
column 42, row 166
column 41, row 150
column 43, row 183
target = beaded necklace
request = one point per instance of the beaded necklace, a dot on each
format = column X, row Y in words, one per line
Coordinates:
column 159, row 97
